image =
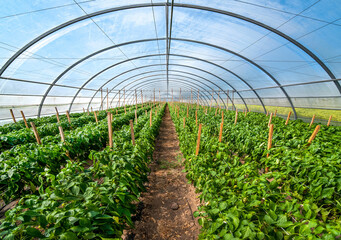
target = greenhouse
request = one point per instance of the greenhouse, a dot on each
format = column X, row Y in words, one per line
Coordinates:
column 170, row 119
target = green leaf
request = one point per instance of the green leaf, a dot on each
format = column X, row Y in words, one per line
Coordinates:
column 33, row 232
column 268, row 219
column 304, row 229
column 68, row 236
column 327, row 192
column 222, row 206
column 260, row 235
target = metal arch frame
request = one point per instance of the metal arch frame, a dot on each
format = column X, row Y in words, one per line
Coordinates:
column 146, row 82
column 197, row 7
column 177, row 75
column 179, row 65
column 238, row 16
column 177, row 55
column 174, row 80
column 177, row 71
column 155, row 39
column 203, row 97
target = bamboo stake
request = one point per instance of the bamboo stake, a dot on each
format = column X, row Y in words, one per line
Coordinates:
column 288, row 118
column 116, row 112
column 222, row 116
column 271, row 130
column 196, row 117
column 330, row 119
column 275, row 113
column 187, row 111
column 236, row 118
column 216, row 109
column 96, row 117
column 88, row 111
column 245, row 112
column 136, row 116
column 23, row 117
column 270, row 119
column 36, row 134
column 150, row 118
column 146, row 113
column 107, row 98
column 11, row 111
column 57, row 114
column 198, row 141
column 92, row 109
column 184, row 125
column 312, row 121
column 83, row 110
column 61, row 132
column 132, row 131
column 221, row 130
column 267, row 113
column 178, row 111
column 312, row 137
column 110, row 130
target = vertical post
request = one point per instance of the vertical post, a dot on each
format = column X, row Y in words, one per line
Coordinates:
column 198, row 141
column 312, row 121
column 184, row 125
column 92, row 109
column 96, row 117
column 83, row 110
column 227, row 100
column 216, row 109
column 132, row 131
column 142, row 98
column 312, row 137
column 271, row 130
column 150, row 117
column 222, row 116
column 136, row 116
column 135, row 100
column 221, row 130
column 287, row 121
column 101, row 106
column 196, row 117
column 11, row 111
column 68, row 116
column 270, row 119
column 57, row 114
column 110, row 130
column 119, row 98
column 61, row 133
column 23, row 117
column 236, row 117
column 275, row 113
column 329, row 120
column 36, row 134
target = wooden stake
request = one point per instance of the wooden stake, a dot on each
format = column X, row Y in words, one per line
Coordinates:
column 11, row 111
column 136, row 116
column 92, row 109
column 36, row 134
column 236, row 118
column 267, row 113
column 221, row 130
column 198, row 141
column 196, row 117
column 184, row 125
column 23, row 117
column 61, row 133
column 116, row 112
column 288, row 118
column 110, row 130
column 275, row 113
column 83, row 110
column 150, row 117
column 68, row 116
column 216, row 109
column 57, row 114
column 312, row 121
column 132, row 131
column 312, row 137
column 271, row 130
column 245, row 112
column 270, row 119
column 96, row 117
column 330, row 118
column 178, row 110
column 222, row 116
column 187, row 111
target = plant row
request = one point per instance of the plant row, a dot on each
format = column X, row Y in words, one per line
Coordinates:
column 297, row 198
column 88, row 202
column 21, row 166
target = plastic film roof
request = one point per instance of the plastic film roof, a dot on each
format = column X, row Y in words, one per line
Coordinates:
column 256, row 52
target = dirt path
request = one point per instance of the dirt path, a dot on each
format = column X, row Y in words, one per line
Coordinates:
column 169, row 203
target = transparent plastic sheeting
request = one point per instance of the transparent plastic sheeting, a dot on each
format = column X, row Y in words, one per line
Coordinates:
column 268, row 52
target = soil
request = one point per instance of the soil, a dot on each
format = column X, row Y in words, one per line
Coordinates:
column 165, row 211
